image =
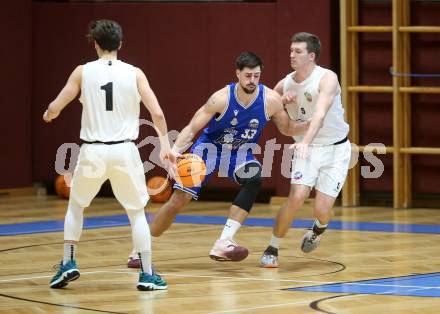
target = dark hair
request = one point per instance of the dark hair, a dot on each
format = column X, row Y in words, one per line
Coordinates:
column 107, row 33
column 248, row 60
column 312, row 41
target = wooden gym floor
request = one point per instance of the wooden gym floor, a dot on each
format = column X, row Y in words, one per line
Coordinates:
column 372, row 260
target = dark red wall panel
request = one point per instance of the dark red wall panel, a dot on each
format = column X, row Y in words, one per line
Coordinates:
column 15, row 97
column 188, row 51
column 61, row 46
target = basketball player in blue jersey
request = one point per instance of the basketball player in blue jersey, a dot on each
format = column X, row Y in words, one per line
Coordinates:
column 111, row 91
column 236, row 116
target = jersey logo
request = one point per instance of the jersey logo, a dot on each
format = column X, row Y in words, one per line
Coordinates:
column 297, row 175
column 308, row 96
column 252, row 130
column 234, row 121
column 254, row 123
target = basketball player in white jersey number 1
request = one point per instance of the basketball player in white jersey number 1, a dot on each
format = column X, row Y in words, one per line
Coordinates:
column 111, row 91
column 322, row 155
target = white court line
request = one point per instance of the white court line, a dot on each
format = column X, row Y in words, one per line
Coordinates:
column 292, row 303
column 123, row 271
column 50, row 276
column 249, row 278
column 283, row 304
column 260, row 307
column 300, row 281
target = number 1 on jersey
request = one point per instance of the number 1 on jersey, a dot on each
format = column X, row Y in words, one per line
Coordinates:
column 108, row 88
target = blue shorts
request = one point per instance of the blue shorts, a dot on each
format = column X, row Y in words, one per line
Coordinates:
column 218, row 158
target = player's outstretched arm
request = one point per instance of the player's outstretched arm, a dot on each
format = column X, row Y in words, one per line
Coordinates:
column 280, row 117
column 150, row 101
column 328, row 87
column 287, row 126
column 67, row 94
column 215, row 104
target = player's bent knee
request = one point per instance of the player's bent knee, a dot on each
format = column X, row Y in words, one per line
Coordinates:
column 255, row 180
column 324, row 214
column 250, row 181
column 296, row 200
column 179, row 199
column 298, row 196
column 155, row 232
column 159, row 227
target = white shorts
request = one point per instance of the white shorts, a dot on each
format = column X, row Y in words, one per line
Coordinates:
column 120, row 163
column 325, row 168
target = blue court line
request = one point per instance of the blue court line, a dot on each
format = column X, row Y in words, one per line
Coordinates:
column 122, row 220
column 425, row 285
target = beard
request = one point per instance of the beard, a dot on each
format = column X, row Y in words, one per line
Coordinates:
column 248, row 89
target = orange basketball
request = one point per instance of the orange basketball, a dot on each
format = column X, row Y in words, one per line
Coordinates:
column 61, row 187
column 159, row 189
column 191, row 170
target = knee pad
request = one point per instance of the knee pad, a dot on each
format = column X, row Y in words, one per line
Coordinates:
column 249, row 177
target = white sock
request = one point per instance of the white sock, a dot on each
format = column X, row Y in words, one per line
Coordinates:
column 69, row 252
column 231, row 227
column 145, row 258
column 275, row 242
column 319, row 225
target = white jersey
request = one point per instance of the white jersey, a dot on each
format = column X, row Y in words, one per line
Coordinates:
column 334, row 127
column 111, row 101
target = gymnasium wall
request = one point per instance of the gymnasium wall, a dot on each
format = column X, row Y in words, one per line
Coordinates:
column 187, row 51
column 16, row 95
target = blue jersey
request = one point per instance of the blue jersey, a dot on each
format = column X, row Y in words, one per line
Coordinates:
column 238, row 124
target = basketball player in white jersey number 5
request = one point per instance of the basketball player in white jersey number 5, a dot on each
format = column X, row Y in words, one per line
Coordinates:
column 111, row 91
column 322, row 155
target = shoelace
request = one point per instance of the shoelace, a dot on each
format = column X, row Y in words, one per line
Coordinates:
column 155, row 276
column 313, row 237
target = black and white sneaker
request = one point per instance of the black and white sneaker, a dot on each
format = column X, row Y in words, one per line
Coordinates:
column 310, row 241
